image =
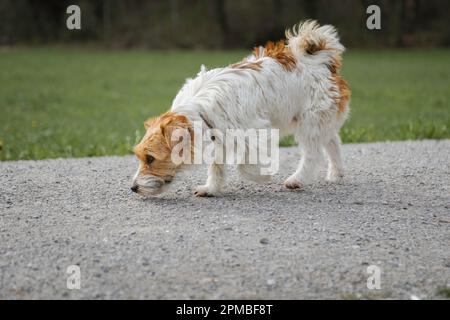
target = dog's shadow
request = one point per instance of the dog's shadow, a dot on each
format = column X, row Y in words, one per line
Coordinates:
column 262, row 196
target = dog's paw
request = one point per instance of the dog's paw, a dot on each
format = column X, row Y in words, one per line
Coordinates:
column 293, row 183
column 203, row 191
column 334, row 176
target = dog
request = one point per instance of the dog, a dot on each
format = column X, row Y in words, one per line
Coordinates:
column 293, row 85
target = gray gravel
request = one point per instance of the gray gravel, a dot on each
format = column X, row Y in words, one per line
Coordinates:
column 254, row 242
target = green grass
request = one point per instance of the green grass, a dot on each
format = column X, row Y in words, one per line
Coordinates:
column 444, row 291
column 368, row 295
column 64, row 102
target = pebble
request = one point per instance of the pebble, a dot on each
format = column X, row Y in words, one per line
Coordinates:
column 271, row 282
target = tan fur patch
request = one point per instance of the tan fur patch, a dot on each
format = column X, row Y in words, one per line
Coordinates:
column 341, row 86
column 312, row 47
column 343, row 92
column 157, row 143
column 336, row 64
column 245, row 64
column 278, row 51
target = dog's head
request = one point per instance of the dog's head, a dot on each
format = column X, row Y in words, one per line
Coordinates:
column 154, row 151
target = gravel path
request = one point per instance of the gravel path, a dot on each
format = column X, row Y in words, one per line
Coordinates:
column 254, row 242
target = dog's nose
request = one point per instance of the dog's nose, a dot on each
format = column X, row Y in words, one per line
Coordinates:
column 135, row 188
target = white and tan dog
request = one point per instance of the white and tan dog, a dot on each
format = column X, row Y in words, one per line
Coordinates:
column 292, row 85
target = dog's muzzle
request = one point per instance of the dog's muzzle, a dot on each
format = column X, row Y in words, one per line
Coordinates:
column 147, row 185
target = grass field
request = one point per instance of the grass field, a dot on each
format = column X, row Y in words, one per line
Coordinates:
column 73, row 102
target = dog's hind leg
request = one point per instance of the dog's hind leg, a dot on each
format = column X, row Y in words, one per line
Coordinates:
column 333, row 151
column 214, row 182
column 306, row 168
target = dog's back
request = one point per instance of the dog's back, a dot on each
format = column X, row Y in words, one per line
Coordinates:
column 309, row 62
column 277, row 86
column 315, row 44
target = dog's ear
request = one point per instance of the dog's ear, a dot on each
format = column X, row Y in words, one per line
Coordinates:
column 149, row 122
column 171, row 122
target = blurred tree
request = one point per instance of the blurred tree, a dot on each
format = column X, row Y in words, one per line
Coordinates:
column 408, row 16
column 219, row 23
column 223, row 22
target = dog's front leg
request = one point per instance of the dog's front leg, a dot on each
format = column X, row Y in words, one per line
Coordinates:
column 216, row 178
column 306, row 168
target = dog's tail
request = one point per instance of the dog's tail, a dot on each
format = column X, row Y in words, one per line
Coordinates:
column 308, row 39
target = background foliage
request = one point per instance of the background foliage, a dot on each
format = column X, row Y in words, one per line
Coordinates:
column 220, row 23
column 87, row 92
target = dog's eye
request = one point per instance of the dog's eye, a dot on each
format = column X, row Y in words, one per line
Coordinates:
column 149, row 159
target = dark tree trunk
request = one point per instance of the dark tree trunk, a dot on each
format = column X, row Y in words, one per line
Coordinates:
column 223, row 22
column 407, row 22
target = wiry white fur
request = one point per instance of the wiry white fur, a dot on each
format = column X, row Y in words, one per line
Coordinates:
column 311, row 32
column 298, row 101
